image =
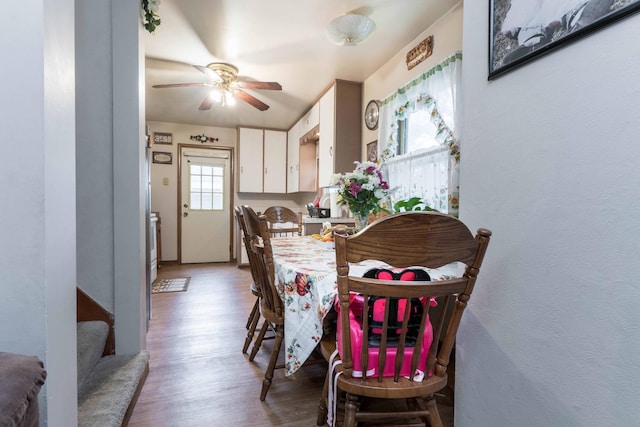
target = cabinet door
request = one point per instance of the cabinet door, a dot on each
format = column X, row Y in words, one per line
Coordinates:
column 250, row 152
column 293, row 159
column 310, row 120
column 327, row 137
column 275, row 161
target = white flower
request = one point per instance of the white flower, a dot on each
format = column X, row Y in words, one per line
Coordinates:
column 335, row 179
column 380, row 193
column 154, row 5
column 365, row 165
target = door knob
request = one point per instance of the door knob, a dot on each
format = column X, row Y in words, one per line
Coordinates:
column 185, row 206
column 186, row 214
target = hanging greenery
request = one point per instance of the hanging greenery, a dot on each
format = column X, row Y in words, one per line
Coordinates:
column 203, row 138
column 150, row 17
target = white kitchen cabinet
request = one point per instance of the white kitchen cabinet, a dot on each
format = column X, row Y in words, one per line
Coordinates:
column 293, row 158
column 263, row 161
column 301, row 155
column 251, row 158
column 340, row 130
column 327, row 136
column 275, row 162
column 310, row 119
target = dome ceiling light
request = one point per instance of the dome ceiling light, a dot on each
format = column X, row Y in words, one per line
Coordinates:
column 350, row 29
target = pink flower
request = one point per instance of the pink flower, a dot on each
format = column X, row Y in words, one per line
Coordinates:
column 354, row 188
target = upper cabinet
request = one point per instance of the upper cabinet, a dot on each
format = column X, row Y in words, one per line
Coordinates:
column 250, row 154
column 309, row 120
column 293, row 158
column 332, row 144
column 340, row 130
column 263, row 161
column 275, row 161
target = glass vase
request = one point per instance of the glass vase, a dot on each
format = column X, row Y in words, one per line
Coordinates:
column 361, row 221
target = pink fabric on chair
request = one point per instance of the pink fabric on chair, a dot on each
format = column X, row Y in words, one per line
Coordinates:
column 378, row 307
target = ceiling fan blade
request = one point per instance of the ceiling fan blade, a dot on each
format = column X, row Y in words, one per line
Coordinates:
column 260, row 85
column 209, row 72
column 206, row 104
column 251, row 100
column 182, row 85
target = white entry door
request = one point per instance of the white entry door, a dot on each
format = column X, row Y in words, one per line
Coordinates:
column 205, row 205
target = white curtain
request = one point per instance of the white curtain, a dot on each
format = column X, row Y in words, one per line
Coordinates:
column 432, row 174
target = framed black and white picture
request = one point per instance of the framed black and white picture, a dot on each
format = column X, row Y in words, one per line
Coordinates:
column 162, row 157
column 522, row 30
column 372, row 151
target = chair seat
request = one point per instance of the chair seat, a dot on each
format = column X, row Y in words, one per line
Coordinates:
column 388, row 389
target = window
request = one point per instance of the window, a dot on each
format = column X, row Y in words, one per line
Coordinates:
column 416, row 132
column 420, row 152
column 206, row 187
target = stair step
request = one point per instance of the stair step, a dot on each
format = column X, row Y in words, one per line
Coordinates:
column 112, row 386
column 92, row 336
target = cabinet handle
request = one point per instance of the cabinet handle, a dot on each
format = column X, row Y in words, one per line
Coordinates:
column 331, row 151
column 241, row 169
column 265, row 171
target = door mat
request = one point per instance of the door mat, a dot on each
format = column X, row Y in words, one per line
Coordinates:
column 177, row 284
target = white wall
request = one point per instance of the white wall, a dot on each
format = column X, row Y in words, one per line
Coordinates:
column 164, row 197
column 111, row 181
column 549, row 163
column 37, row 189
column 94, row 156
column 447, row 39
column 130, row 218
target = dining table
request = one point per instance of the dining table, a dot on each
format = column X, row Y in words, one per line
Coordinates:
column 306, row 279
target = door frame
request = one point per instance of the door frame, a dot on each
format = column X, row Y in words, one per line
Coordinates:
column 230, row 150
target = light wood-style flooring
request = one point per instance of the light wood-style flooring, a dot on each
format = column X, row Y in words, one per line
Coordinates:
column 198, row 375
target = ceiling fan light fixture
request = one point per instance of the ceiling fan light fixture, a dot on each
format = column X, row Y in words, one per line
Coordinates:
column 350, row 29
column 228, row 98
column 216, row 95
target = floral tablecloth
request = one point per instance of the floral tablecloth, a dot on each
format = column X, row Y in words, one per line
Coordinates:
column 305, row 274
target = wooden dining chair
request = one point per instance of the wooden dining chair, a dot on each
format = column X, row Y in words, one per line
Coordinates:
column 282, row 215
column 271, row 306
column 409, row 239
column 254, row 314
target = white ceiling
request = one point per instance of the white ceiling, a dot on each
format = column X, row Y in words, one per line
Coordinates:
column 276, row 40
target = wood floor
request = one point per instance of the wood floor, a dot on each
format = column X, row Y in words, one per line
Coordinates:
column 198, row 375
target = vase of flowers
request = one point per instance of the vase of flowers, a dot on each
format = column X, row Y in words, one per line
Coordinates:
column 362, row 190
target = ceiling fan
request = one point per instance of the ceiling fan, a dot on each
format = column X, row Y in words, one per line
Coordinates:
column 224, row 81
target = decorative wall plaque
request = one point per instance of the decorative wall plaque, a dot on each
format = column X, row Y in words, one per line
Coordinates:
column 420, row 52
column 162, row 138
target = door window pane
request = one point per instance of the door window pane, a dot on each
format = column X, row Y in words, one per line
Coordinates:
column 206, row 187
column 195, row 201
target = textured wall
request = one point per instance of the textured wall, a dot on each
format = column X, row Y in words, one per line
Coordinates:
column 550, row 163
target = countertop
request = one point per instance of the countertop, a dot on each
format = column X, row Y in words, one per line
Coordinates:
column 310, row 220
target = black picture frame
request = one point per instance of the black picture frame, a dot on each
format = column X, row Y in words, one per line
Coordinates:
column 510, row 48
column 372, row 151
column 162, row 157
